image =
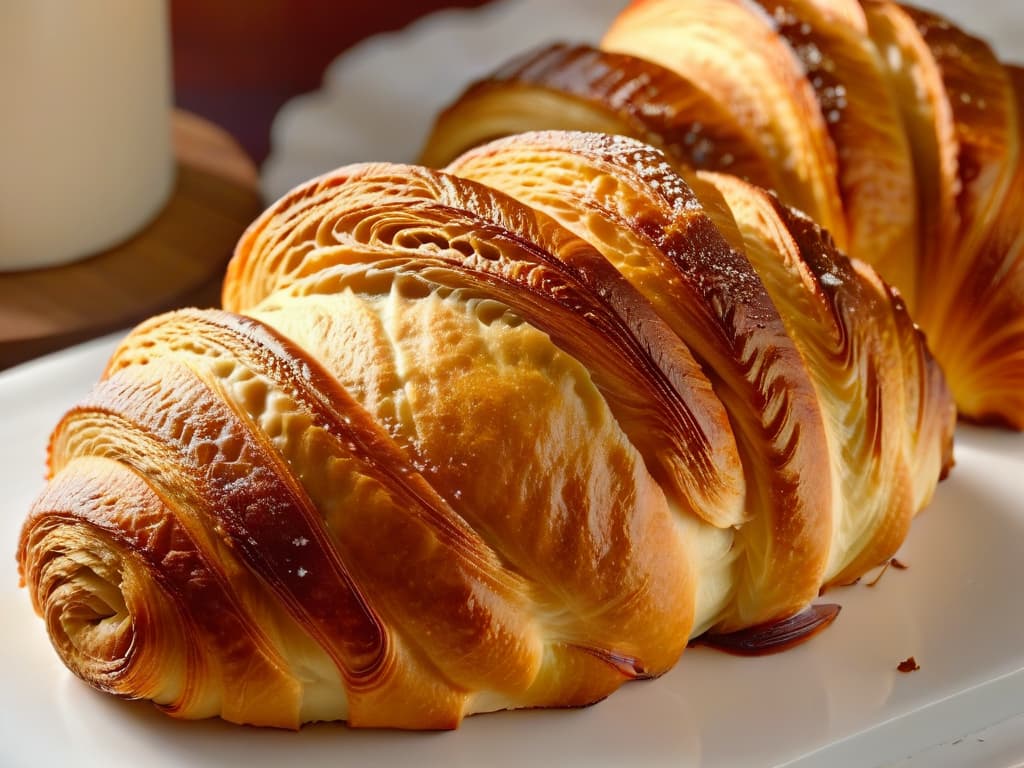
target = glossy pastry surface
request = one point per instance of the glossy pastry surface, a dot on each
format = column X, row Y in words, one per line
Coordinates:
column 896, row 131
column 506, row 435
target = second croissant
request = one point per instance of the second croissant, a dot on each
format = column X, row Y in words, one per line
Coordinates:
column 892, row 128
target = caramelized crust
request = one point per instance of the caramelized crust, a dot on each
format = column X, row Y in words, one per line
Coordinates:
column 534, row 415
column 438, row 613
column 255, row 509
column 133, row 603
column 450, row 451
column 625, row 200
column 915, row 80
column 982, row 105
column 910, row 101
column 468, row 236
column 586, row 89
column 874, row 164
column 983, row 109
column 867, row 370
column 733, row 53
column 407, row 518
column 986, row 367
column 890, row 127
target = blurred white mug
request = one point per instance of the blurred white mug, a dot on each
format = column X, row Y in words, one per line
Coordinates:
column 85, row 126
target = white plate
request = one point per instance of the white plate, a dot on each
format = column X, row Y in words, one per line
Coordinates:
column 956, row 609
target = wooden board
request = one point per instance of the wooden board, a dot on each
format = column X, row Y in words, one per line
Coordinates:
column 177, row 260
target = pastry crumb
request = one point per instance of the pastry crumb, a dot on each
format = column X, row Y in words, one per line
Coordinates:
column 881, row 573
column 909, row 664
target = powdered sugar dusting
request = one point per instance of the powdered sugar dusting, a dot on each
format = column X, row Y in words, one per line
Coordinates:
column 831, row 280
column 819, row 67
column 649, row 164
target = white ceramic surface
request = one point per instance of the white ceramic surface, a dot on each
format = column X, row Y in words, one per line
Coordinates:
column 838, row 700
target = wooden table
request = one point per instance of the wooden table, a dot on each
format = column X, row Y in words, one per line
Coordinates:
column 177, row 260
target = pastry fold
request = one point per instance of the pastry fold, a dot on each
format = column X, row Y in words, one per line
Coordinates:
column 890, row 127
column 505, row 435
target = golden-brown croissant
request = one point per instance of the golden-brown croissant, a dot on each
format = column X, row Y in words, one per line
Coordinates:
column 506, row 435
column 896, row 131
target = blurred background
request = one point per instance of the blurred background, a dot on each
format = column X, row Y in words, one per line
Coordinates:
column 236, row 62
column 269, row 93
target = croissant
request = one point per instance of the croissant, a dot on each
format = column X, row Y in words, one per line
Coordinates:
column 893, row 129
column 506, row 435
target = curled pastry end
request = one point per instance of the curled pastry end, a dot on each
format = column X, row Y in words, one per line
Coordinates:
column 108, row 616
column 108, row 621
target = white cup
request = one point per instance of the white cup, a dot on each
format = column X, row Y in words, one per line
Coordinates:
column 85, row 126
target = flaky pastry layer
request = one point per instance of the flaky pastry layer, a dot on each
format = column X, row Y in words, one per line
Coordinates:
column 506, row 435
column 893, row 129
